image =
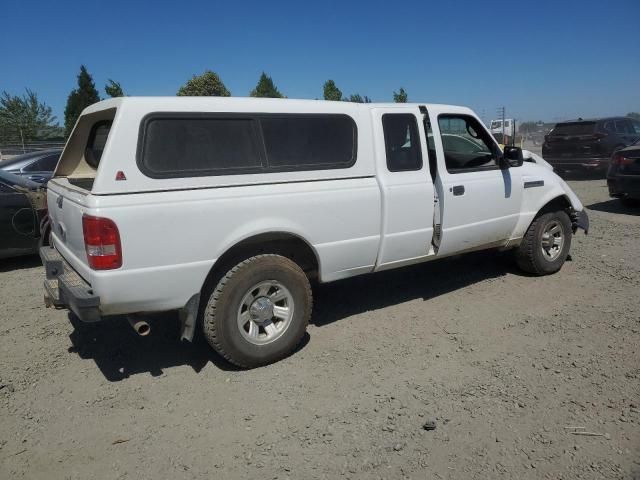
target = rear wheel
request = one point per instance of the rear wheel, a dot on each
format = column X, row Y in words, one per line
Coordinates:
column 258, row 312
column 546, row 244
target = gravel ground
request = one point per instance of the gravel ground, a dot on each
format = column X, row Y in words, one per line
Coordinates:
column 500, row 363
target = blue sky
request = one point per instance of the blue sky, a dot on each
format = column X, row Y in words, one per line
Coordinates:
column 542, row 59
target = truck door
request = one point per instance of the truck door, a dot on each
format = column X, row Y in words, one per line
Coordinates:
column 407, row 189
column 480, row 201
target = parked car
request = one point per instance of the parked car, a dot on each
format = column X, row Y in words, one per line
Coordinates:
column 226, row 209
column 35, row 166
column 623, row 176
column 588, row 144
column 22, row 212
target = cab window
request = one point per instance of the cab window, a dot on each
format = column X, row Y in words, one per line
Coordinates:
column 402, row 142
column 467, row 146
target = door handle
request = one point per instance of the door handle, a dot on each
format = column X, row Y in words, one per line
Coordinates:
column 458, row 190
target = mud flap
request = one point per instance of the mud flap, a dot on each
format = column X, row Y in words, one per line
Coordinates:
column 580, row 220
column 188, row 318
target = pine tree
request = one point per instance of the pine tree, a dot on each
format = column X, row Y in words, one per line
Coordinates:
column 357, row 98
column 24, row 118
column 401, row 96
column 79, row 99
column 265, row 88
column 331, row 91
column 113, row 89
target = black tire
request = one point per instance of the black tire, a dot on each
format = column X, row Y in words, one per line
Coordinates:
column 529, row 255
column 220, row 316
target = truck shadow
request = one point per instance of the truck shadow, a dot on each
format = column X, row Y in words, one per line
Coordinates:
column 614, row 206
column 19, row 263
column 120, row 353
column 582, row 175
column 338, row 300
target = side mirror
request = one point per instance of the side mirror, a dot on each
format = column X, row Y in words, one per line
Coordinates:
column 512, row 157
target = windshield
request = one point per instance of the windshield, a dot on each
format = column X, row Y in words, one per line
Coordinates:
column 574, row 128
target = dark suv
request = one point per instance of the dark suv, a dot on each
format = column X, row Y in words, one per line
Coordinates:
column 588, row 144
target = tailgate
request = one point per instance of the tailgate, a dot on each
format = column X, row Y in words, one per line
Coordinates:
column 66, row 205
column 573, row 139
column 582, row 146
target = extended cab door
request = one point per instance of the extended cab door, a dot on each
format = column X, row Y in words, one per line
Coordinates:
column 480, row 202
column 407, row 189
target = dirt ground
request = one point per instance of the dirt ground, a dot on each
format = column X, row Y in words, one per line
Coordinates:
column 502, row 363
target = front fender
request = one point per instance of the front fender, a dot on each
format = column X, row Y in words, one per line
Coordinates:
column 542, row 186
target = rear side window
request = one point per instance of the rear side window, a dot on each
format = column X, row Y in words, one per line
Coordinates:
column 574, row 128
column 323, row 141
column 623, row 127
column 97, row 140
column 402, row 142
column 178, row 145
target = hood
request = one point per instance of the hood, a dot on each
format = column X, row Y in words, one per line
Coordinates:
column 534, row 158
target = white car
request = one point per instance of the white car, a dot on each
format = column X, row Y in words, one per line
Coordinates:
column 226, row 209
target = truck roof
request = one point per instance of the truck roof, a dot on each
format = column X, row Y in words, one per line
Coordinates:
column 250, row 104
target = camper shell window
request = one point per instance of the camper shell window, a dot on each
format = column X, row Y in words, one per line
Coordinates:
column 174, row 145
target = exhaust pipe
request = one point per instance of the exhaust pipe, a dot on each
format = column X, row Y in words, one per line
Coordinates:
column 140, row 326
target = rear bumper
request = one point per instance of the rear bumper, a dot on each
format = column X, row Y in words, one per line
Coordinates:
column 586, row 163
column 624, row 186
column 64, row 288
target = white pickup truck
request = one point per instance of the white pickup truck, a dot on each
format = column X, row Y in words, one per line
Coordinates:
column 227, row 209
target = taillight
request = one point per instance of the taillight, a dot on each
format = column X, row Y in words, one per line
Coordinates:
column 102, row 242
column 620, row 160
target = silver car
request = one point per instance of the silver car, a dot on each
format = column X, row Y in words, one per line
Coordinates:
column 35, row 166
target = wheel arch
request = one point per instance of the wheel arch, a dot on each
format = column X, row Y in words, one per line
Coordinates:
column 281, row 242
column 560, row 202
column 556, row 200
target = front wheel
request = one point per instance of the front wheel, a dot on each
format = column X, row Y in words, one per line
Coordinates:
column 546, row 244
column 258, row 312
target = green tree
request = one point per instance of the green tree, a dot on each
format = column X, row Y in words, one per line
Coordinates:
column 401, row 96
column 206, row 85
column 79, row 99
column 357, row 98
column 635, row 115
column 331, row 91
column 265, row 88
column 113, row 89
column 24, row 118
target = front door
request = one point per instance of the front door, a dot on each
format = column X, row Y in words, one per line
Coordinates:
column 480, row 201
